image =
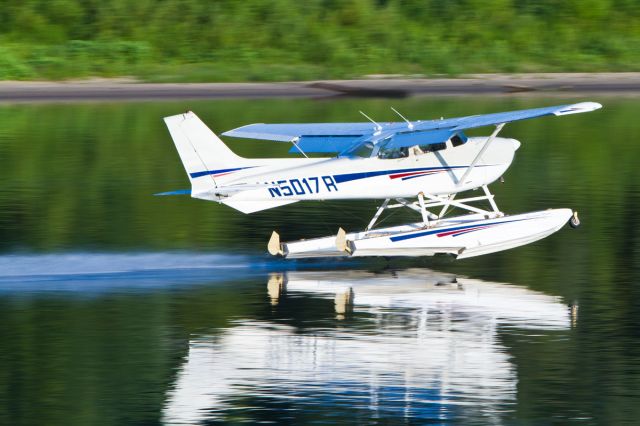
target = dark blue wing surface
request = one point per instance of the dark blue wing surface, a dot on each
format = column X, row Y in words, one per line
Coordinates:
column 428, row 137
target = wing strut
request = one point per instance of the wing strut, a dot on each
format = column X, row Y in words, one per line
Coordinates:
column 294, row 141
column 482, row 150
column 423, row 210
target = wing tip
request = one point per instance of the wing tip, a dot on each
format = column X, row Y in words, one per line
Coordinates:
column 578, row 108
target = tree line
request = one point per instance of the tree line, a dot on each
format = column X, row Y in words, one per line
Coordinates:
column 201, row 40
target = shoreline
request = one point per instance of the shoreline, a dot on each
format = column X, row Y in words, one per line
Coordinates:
column 376, row 86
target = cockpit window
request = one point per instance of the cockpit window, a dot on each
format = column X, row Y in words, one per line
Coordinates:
column 364, row 150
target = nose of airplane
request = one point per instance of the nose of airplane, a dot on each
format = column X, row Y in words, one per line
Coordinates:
column 516, row 144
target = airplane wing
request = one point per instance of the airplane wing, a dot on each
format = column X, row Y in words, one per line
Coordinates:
column 338, row 137
column 288, row 132
column 475, row 121
column 312, row 137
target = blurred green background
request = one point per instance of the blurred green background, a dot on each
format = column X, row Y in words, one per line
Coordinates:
column 257, row 40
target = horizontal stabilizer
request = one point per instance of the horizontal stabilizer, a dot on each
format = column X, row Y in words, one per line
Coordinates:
column 248, row 207
column 176, row 192
column 231, row 190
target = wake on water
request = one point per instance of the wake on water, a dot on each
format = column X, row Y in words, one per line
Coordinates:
column 109, row 263
column 85, row 271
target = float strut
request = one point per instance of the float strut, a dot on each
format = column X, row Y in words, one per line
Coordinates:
column 423, row 210
column 377, row 215
column 489, row 195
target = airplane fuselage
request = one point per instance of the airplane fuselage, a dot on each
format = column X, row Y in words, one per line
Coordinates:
column 340, row 178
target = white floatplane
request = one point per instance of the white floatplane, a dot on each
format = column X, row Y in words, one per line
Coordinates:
column 430, row 162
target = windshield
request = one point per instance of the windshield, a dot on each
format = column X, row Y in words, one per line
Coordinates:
column 363, row 150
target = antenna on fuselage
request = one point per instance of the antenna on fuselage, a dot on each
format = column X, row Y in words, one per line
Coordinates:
column 409, row 124
column 378, row 127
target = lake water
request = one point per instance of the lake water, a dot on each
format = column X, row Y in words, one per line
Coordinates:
column 118, row 307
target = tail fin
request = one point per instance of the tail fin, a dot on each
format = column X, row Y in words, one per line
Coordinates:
column 203, row 154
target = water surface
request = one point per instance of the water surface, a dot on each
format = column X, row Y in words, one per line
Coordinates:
column 120, row 307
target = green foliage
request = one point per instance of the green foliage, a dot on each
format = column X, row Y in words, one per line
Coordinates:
column 283, row 39
column 11, row 68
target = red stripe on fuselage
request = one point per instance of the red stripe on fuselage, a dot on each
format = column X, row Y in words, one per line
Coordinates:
column 401, row 175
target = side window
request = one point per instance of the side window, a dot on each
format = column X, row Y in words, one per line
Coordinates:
column 458, row 139
column 388, row 153
column 391, row 153
column 433, row 147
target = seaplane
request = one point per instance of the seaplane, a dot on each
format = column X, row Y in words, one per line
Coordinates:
column 429, row 166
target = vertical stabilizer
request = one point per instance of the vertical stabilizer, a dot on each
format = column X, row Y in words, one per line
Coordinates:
column 203, row 154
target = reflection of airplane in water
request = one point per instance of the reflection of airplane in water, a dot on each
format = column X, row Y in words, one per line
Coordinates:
column 425, row 345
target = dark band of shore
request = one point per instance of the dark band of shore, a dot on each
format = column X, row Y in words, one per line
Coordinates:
column 618, row 83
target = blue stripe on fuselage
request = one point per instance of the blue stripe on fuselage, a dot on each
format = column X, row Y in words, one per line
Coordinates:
column 215, row 172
